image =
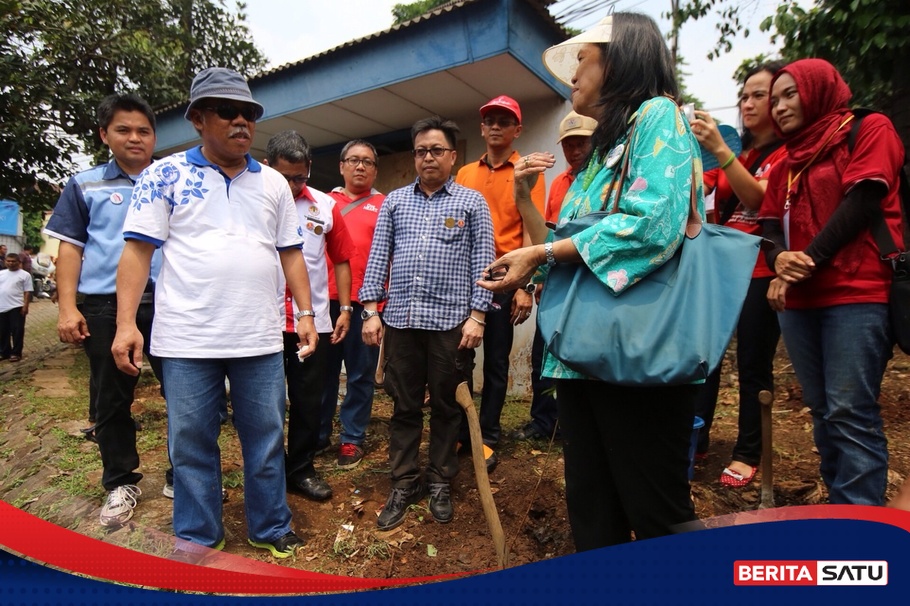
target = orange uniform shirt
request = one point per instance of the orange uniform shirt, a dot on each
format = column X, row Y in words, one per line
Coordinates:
column 496, row 186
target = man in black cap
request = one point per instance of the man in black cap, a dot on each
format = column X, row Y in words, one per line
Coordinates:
column 216, row 319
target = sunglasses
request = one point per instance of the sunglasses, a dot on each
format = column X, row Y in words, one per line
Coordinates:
column 227, row 111
column 502, row 122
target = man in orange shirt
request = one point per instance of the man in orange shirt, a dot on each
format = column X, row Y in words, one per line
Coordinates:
column 575, row 138
column 492, row 176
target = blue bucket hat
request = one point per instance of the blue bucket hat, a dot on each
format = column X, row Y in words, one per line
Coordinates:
column 221, row 83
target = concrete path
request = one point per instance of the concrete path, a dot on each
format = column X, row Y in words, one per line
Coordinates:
column 41, row 341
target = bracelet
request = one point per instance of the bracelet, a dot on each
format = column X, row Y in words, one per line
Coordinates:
column 729, row 161
column 481, row 322
column 303, row 313
column 548, row 251
column 347, row 308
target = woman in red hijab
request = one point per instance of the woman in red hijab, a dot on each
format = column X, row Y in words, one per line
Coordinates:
column 831, row 289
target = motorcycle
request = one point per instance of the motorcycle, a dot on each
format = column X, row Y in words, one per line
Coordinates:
column 43, row 285
column 44, row 288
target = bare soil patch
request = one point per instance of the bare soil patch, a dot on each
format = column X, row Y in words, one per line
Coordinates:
column 52, row 472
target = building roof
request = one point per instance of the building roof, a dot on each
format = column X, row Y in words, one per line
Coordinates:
column 456, row 56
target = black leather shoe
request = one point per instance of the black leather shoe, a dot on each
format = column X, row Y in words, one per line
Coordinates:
column 441, row 502
column 313, row 487
column 397, row 505
column 491, row 461
column 529, row 432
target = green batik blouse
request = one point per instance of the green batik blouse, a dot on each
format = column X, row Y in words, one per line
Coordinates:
column 627, row 245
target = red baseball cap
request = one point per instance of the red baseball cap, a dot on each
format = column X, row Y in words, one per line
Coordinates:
column 507, row 103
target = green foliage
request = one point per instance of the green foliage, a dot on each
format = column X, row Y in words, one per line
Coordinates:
column 864, row 39
column 727, row 16
column 58, row 58
column 687, row 96
column 412, row 10
column 32, row 222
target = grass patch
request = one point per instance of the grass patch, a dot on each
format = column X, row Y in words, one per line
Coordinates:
column 232, row 479
column 76, row 483
column 73, row 456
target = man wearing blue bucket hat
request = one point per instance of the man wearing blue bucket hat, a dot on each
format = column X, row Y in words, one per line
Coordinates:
column 217, row 319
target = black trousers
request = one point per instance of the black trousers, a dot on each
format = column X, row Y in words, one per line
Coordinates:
column 498, row 335
column 757, row 334
column 305, row 384
column 112, row 395
column 626, row 459
column 415, row 360
column 12, row 332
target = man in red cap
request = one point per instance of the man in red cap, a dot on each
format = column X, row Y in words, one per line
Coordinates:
column 492, row 176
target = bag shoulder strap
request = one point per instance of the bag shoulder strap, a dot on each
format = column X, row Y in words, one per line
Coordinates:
column 621, row 173
column 878, row 228
column 354, row 204
column 733, row 202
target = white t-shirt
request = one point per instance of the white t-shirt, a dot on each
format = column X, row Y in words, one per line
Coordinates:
column 314, row 211
column 215, row 296
column 12, row 286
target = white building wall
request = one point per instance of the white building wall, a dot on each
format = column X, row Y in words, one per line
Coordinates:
column 540, row 130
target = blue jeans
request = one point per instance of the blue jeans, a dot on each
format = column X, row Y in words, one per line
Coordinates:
column 360, row 362
column 195, row 396
column 839, row 354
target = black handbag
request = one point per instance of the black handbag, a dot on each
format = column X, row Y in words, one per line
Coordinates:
column 899, row 295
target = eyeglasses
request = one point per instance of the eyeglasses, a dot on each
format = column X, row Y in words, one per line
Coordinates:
column 228, row 111
column 502, row 122
column 353, row 162
column 421, row 152
column 297, row 179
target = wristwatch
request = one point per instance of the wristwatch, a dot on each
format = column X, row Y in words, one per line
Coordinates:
column 303, row 313
column 529, row 288
column 366, row 314
column 346, row 308
column 548, row 251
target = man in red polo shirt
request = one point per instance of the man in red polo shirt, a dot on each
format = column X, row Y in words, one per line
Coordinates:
column 359, row 203
column 492, row 176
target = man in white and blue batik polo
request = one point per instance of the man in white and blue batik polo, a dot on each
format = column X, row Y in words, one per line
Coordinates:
column 216, row 318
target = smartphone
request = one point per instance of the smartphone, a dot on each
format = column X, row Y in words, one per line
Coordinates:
column 689, row 111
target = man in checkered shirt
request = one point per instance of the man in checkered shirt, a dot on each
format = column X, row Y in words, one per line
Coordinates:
column 432, row 242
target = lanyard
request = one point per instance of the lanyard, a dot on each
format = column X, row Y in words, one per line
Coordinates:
column 792, row 179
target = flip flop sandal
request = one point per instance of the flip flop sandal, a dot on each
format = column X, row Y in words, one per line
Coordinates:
column 734, row 479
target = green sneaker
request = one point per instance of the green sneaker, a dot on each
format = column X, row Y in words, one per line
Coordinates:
column 285, row 547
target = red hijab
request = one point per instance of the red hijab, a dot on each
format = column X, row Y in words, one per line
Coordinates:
column 818, row 191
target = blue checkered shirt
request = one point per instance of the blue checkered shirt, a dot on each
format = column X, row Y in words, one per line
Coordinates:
column 432, row 249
